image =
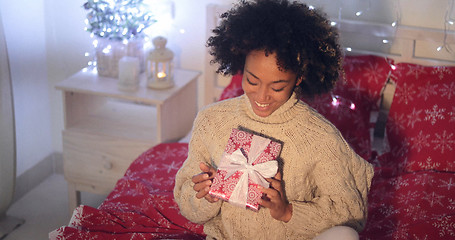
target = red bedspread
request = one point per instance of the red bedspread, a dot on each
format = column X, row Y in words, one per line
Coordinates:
column 416, row 205
column 141, row 206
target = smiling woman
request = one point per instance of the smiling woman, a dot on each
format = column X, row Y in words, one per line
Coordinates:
column 265, row 84
column 285, row 50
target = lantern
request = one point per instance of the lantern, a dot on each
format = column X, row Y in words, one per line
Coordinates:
column 159, row 65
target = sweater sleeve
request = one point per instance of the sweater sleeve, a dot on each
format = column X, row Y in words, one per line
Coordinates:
column 194, row 209
column 342, row 180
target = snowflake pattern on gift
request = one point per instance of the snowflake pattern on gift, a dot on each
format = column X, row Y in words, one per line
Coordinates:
column 254, row 194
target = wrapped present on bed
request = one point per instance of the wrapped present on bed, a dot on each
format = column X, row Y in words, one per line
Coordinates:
column 247, row 160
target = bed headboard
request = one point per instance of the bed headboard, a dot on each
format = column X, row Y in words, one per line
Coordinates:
column 402, row 43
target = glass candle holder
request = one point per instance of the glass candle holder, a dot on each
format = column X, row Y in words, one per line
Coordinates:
column 159, row 65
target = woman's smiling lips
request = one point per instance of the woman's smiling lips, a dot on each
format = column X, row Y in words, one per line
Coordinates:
column 262, row 105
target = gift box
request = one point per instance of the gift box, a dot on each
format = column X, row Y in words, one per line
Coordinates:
column 247, row 160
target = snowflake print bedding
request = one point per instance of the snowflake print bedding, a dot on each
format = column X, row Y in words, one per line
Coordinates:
column 412, row 195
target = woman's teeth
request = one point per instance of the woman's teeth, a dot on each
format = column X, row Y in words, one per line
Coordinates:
column 261, row 105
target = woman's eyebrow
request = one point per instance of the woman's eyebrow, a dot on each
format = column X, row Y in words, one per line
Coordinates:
column 278, row 81
column 252, row 74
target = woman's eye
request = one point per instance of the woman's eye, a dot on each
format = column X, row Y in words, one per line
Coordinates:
column 248, row 80
column 278, row 90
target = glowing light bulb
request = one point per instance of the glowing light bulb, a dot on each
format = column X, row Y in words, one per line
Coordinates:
column 311, row 7
column 393, row 67
column 349, row 49
column 439, row 48
column 450, row 22
column 394, row 24
column 385, row 41
column 333, row 23
column 87, row 54
column 358, row 13
column 352, row 107
column 335, row 102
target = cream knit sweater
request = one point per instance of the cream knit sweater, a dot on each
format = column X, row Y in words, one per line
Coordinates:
column 325, row 180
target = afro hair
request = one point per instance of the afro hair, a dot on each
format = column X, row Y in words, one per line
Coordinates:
column 302, row 39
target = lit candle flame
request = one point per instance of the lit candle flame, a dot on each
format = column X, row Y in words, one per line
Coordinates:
column 161, row 75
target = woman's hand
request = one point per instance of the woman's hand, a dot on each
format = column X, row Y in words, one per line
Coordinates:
column 203, row 181
column 275, row 200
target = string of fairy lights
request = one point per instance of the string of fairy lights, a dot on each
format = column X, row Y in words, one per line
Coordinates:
column 125, row 19
column 365, row 6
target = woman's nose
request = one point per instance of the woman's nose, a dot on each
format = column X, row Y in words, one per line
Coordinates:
column 263, row 94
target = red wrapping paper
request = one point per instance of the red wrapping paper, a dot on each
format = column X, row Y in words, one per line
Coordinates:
column 247, row 160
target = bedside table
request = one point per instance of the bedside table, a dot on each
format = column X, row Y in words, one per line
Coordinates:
column 105, row 129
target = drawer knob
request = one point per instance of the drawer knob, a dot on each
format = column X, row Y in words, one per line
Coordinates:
column 108, row 165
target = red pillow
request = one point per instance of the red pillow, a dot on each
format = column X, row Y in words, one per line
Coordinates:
column 355, row 96
column 421, row 122
column 234, row 89
column 364, row 78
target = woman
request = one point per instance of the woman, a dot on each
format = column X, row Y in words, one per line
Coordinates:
column 284, row 50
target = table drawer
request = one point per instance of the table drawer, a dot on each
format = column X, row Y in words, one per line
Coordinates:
column 98, row 160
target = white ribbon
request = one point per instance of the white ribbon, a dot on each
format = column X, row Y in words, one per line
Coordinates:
column 257, row 173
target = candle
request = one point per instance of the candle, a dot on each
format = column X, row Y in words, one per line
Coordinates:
column 128, row 73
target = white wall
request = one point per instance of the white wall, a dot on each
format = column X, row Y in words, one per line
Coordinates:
column 26, row 42
column 47, row 43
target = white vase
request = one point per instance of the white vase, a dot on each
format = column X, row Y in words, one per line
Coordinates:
column 109, row 53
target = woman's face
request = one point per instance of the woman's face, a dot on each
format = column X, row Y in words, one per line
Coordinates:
column 265, row 85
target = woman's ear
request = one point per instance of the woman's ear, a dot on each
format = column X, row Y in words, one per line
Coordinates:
column 299, row 81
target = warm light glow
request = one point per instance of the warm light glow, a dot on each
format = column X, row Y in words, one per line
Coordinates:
column 161, row 75
column 335, row 101
column 352, row 107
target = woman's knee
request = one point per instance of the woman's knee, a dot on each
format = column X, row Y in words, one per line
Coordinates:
column 338, row 233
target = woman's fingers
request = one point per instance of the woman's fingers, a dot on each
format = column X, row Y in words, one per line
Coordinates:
column 207, row 169
column 203, row 181
column 203, row 191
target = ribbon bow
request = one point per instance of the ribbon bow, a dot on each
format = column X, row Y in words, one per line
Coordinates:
column 257, row 173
